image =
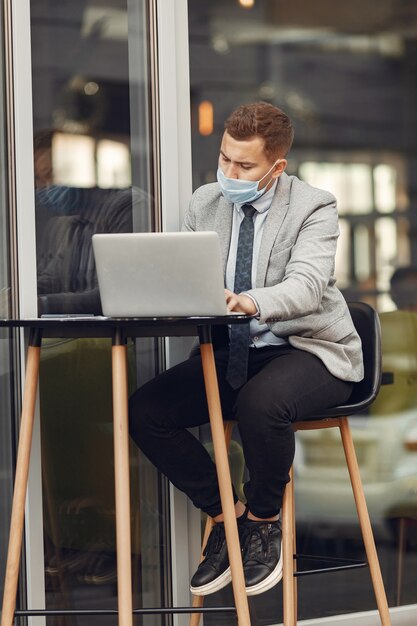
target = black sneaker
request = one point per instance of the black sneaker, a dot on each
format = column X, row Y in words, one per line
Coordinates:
column 262, row 555
column 213, row 573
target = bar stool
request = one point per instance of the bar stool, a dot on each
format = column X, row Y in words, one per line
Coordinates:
column 366, row 322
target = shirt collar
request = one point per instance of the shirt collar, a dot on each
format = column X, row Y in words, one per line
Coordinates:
column 264, row 202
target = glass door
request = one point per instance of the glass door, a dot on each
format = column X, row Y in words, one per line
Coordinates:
column 93, row 140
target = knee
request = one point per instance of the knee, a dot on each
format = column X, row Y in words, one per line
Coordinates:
column 262, row 411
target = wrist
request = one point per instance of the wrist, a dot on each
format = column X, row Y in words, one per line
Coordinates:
column 250, row 306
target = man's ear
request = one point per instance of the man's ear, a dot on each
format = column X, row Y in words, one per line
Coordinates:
column 279, row 168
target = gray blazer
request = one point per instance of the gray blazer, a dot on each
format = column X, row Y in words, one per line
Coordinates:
column 295, row 287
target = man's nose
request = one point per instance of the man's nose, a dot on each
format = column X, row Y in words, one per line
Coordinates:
column 231, row 171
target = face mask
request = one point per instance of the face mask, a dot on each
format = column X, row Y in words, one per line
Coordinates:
column 241, row 191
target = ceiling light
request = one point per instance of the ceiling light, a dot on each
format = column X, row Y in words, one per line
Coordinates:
column 205, row 118
column 246, row 4
column 91, row 88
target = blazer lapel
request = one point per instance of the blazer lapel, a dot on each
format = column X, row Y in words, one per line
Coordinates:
column 223, row 227
column 276, row 215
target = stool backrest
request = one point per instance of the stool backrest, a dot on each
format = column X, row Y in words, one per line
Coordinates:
column 367, row 324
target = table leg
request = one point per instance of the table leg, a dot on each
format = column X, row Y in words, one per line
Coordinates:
column 122, row 480
column 20, row 484
column 225, row 484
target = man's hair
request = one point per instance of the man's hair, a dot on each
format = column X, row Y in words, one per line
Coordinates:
column 404, row 287
column 264, row 120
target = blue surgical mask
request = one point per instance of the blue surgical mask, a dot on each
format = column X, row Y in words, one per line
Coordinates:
column 241, row 191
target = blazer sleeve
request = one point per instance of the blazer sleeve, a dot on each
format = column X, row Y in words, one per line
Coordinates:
column 308, row 271
column 188, row 222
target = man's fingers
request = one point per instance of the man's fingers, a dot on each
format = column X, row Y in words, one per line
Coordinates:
column 231, row 300
column 231, row 303
column 239, row 303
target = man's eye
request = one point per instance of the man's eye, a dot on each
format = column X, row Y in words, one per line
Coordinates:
column 246, row 167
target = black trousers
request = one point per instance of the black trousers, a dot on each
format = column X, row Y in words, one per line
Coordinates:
column 284, row 385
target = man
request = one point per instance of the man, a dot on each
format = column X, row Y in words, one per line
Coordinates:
column 404, row 288
column 301, row 353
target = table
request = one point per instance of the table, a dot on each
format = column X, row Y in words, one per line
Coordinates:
column 118, row 330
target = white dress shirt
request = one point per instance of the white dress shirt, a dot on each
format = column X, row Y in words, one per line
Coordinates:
column 260, row 334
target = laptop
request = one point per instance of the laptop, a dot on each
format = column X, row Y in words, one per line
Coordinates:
column 160, row 274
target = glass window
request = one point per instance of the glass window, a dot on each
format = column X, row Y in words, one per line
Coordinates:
column 93, row 174
column 366, row 192
column 92, row 140
column 346, row 77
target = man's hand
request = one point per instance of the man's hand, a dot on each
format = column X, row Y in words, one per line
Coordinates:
column 241, row 304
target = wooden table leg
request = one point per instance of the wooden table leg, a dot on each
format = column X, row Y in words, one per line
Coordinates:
column 122, row 482
column 21, row 481
column 225, row 484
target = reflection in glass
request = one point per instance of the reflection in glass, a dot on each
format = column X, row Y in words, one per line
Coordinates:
column 113, row 164
column 90, row 129
column 82, row 161
column 72, row 160
column 92, row 163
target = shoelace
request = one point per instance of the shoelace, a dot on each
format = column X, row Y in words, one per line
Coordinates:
column 255, row 542
column 215, row 541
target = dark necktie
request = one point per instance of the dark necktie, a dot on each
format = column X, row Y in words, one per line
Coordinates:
column 237, row 367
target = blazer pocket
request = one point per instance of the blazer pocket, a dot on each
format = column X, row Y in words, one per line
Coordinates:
column 278, row 262
column 282, row 246
column 335, row 331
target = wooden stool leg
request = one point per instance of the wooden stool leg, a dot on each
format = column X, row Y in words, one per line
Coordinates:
column 198, row 601
column 20, row 486
column 363, row 515
column 288, row 580
column 122, row 487
column 225, row 485
column 294, row 547
column 400, row 559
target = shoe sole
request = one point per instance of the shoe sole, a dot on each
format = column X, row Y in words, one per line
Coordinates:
column 215, row 585
column 268, row 582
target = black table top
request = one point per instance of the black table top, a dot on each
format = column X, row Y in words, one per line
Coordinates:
column 98, row 326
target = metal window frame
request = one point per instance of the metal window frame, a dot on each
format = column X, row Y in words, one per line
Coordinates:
column 23, row 263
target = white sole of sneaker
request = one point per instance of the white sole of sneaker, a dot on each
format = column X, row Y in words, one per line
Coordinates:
column 217, row 584
column 269, row 582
